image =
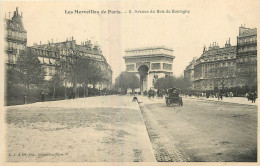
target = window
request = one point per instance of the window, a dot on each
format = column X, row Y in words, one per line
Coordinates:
column 50, row 71
column 45, row 70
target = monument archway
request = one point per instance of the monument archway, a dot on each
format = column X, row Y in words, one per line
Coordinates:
column 149, row 63
column 143, row 72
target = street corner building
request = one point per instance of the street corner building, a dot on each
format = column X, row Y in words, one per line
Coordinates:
column 50, row 53
column 149, row 64
column 247, row 55
column 226, row 67
column 15, row 37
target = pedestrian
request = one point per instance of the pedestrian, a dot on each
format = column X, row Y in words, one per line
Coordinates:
column 247, row 96
column 42, row 96
column 252, row 96
column 231, row 94
column 73, row 95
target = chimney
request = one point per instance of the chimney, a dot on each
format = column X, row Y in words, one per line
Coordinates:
column 51, row 41
column 204, row 48
column 9, row 15
column 72, row 38
column 40, row 42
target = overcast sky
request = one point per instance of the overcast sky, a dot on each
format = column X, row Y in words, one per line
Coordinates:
column 208, row 21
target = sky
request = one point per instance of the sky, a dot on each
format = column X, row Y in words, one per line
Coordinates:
column 208, row 21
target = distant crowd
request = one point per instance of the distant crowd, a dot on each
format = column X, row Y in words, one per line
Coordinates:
column 251, row 96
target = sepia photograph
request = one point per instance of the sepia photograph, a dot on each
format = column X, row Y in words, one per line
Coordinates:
column 109, row 82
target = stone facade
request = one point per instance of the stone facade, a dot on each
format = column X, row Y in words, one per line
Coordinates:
column 15, row 38
column 247, row 56
column 69, row 47
column 48, row 58
column 155, row 61
column 189, row 73
column 229, row 66
column 215, row 68
column 48, row 54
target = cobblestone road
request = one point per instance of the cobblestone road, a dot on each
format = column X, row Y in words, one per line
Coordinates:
column 112, row 128
column 201, row 130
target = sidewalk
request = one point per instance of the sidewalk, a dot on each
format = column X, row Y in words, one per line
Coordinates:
column 99, row 129
column 237, row 100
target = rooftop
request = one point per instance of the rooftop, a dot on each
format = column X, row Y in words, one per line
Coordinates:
column 149, row 48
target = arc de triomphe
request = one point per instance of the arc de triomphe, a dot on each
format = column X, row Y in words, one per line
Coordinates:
column 149, row 64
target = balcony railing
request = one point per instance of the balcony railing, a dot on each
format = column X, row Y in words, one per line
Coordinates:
column 247, row 43
column 248, row 52
column 21, row 39
column 14, row 50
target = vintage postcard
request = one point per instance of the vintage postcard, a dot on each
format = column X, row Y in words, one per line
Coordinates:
column 129, row 82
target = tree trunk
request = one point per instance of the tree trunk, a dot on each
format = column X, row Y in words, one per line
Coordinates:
column 78, row 91
column 74, row 85
column 54, row 89
column 65, row 90
column 84, row 90
column 133, row 91
column 87, row 90
column 25, row 102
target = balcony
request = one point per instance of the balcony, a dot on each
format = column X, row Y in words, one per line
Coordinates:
column 9, row 49
column 20, row 39
column 249, row 52
column 247, row 43
column 14, row 50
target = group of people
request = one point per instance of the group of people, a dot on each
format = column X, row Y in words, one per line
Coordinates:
column 152, row 93
column 251, row 96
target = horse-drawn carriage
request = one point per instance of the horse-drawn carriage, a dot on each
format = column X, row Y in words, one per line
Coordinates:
column 173, row 97
column 151, row 93
column 252, row 96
